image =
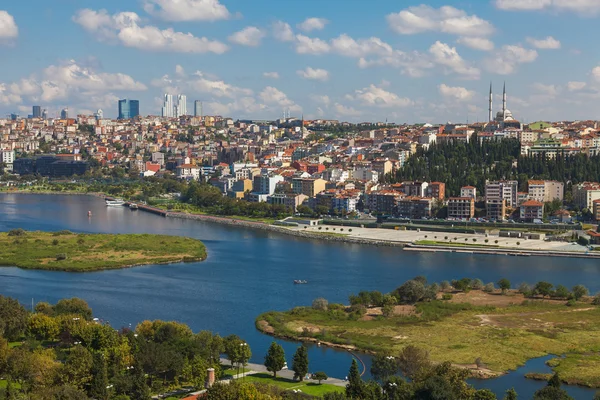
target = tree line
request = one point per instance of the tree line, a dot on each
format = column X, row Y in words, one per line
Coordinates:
column 460, row 164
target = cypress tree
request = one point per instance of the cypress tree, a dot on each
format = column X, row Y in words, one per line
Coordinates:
column 300, row 363
column 354, row 388
column 275, row 359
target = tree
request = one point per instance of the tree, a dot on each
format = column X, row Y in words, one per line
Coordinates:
column 554, row 381
column 320, row 304
column 551, row 393
column 77, row 369
column 413, row 360
column 44, row 327
column 489, row 287
column 275, row 359
column 484, row 394
column 477, row 284
column 139, row 386
column 504, row 285
column 543, row 288
column 13, row 318
column 320, row 376
column 383, row 366
column 300, row 363
column 74, row 306
column 435, row 388
column 410, row 292
column 511, row 394
column 561, row 292
column 231, row 347
column 387, row 310
column 355, row 386
column 579, row 291
column 445, row 286
column 99, row 384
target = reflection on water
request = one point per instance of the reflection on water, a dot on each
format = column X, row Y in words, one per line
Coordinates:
column 247, row 272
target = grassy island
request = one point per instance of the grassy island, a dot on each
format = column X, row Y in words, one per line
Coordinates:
column 68, row 251
column 488, row 332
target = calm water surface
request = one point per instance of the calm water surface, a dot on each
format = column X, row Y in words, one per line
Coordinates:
column 249, row 272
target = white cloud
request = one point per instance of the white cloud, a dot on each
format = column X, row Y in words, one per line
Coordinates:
column 575, row 86
column 456, row 93
column 321, row 99
column 271, row 75
column 596, row 74
column 547, row 43
column 446, row 19
column 283, row 32
column 345, row 111
column 378, row 97
column 585, row 7
column 315, row 74
column 250, row 36
column 187, row 10
column 412, row 64
column 347, row 46
column 8, row 27
column 124, row 28
column 307, row 45
column 506, row 60
column 448, row 57
column 313, row 24
column 477, row 43
column 547, row 90
column 273, row 96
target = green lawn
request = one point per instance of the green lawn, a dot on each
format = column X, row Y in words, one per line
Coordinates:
column 67, row 251
column 227, row 371
column 312, row 388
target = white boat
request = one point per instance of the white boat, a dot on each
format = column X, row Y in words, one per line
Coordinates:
column 114, row 202
column 133, row 206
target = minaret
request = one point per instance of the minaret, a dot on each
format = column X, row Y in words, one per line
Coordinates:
column 491, row 108
column 504, row 102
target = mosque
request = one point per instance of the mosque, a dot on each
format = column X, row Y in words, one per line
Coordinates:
column 504, row 119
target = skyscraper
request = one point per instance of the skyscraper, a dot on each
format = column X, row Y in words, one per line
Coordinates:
column 45, row 114
column 181, row 107
column 129, row 109
column 167, row 110
column 37, row 111
column 64, row 114
column 197, row 108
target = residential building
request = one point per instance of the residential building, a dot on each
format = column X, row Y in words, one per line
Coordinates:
column 129, row 109
column 382, row 166
column 8, row 158
column 418, row 189
column 289, row 200
column 197, row 108
column 158, row 158
column 468, row 191
column 188, row 171
column 50, row 165
column 436, row 190
column 37, row 112
column 365, row 174
column 585, row 193
column 181, row 106
column 531, row 210
column 345, row 202
column 383, row 201
column 308, row 186
column 596, row 209
column 545, row 191
column 461, row 207
column 265, row 184
column 414, row 207
column 495, row 209
column 168, row 108
column 506, row 190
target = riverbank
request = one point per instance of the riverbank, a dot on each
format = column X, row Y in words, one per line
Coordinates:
column 489, row 334
column 67, row 251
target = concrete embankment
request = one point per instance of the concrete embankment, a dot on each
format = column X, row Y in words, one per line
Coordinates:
column 283, row 230
column 499, row 251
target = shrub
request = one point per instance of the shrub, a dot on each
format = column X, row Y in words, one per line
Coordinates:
column 320, row 227
column 341, row 229
column 55, row 242
column 596, row 300
column 474, row 240
column 447, row 296
column 320, row 304
column 445, row 237
column 80, row 241
column 495, row 241
column 63, row 232
column 61, row 256
column 17, row 232
column 518, row 243
column 349, row 230
column 486, row 240
column 571, row 303
column 326, row 229
column 489, row 288
column 445, row 285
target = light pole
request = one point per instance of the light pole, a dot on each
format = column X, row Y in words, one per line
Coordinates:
column 242, row 357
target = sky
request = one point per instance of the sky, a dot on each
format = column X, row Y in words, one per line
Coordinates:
column 353, row 60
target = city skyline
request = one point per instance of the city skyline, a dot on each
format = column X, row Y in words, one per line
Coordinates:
column 421, row 61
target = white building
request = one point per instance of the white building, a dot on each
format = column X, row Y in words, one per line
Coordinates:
column 8, row 158
column 545, row 191
column 265, row 184
column 167, row 110
column 365, row 174
column 188, row 171
column 468, row 191
column 181, row 107
column 502, row 190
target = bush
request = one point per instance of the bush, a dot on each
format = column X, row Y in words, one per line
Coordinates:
column 55, row 242
column 17, row 232
column 495, row 241
column 320, row 304
column 349, row 230
column 571, row 303
column 518, row 243
column 80, row 241
column 596, row 300
column 489, row 288
column 583, row 241
column 320, row 227
column 486, row 240
column 447, row 296
column 61, row 233
column 61, row 256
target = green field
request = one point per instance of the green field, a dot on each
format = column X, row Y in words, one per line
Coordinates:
column 502, row 338
column 311, row 388
column 67, row 251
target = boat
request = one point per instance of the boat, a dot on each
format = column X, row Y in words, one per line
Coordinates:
column 114, row 202
column 133, row 207
column 89, row 213
column 300, row 282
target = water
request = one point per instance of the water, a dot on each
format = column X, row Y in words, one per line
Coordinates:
column 249, row 272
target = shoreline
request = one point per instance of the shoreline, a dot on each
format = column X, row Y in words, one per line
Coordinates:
column 405, row 245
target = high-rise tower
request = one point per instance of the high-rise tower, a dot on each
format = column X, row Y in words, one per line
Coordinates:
column 504, row 101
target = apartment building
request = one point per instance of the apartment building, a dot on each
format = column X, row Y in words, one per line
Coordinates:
column 545, row 191
column 585, row 193
column 468, row 191
column 502, row 190
column 461, row 207
column 437, row 190
column 308, row 186
column 495, row 209
column 414, row 207
column 531, row 210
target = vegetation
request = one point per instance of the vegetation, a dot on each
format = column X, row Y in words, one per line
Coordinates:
column 275, row 359
column 460, row 164
column 300, row 363
column 62, row 353
column 67, row 251
column 483, row 331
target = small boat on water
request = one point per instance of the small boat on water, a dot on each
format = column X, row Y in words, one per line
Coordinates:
column 114, row 202
column 133, row 207
column 300, row 282
column 89, row 213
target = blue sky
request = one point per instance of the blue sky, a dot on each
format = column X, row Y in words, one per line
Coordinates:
column 405, row 61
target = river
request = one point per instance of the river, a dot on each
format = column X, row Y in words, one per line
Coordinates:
column 251, row 271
